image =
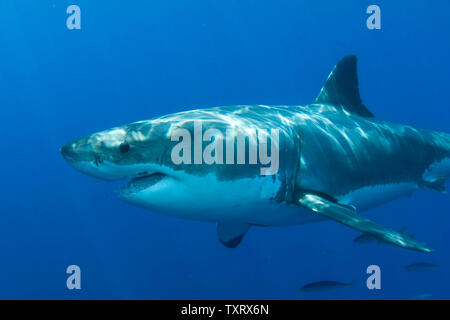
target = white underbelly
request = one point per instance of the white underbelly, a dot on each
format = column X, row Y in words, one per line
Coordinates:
column 281, row 214
column 248, row 200
column 372, row 196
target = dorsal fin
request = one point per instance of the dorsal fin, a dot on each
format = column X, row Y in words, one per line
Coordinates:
column 341, row 88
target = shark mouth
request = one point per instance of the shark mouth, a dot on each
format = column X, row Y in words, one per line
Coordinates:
column 142, row 182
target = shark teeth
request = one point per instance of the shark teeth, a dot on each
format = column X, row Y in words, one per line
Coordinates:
column 141, row 183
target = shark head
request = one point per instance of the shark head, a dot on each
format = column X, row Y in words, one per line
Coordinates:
column 138, row 153
column 162, row 177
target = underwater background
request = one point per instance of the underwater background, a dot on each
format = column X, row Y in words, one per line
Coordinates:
column 136, row 60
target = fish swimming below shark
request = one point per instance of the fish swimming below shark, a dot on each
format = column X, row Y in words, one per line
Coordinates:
column 326, row 285
column 334, row 161
column 421, row 266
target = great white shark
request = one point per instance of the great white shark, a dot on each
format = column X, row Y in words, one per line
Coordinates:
column 336, row 160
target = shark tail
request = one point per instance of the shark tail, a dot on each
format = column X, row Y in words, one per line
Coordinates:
column 438, row 173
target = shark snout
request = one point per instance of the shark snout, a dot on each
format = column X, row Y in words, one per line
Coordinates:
column 81, row 156
column 68, row 152
column 79, row 150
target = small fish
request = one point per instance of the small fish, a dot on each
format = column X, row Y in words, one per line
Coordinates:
column 420, row 266
column 325, row 285
column 367, row 238
column 423, row 296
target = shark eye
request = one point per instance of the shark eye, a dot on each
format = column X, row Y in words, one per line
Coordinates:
column 124, row 147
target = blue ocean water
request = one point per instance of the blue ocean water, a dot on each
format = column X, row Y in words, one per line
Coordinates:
column 135, row 60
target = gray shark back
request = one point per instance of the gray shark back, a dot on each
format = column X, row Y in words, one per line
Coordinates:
column 344, row 148
column 355, row 152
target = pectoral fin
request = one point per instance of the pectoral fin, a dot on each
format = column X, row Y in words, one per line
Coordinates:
column 231, row 234
column 347, row 215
